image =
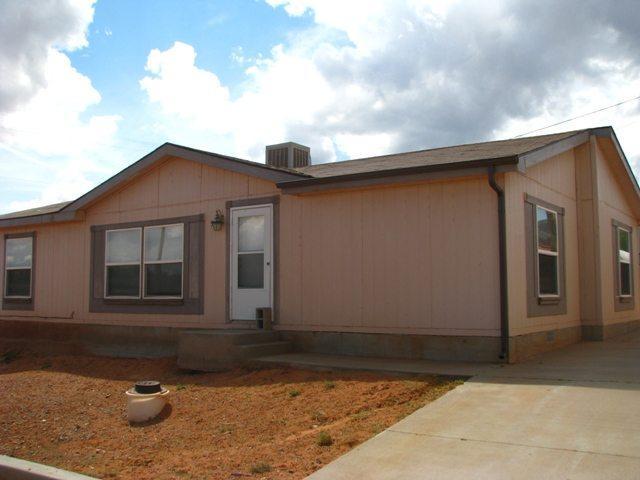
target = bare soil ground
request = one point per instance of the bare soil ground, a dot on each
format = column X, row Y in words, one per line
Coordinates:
column 276, row 423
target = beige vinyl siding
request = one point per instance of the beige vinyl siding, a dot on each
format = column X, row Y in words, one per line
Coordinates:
column 612, row 205
column 554, row 181
column 412, row 259
column 175, row 188
column 418, row 258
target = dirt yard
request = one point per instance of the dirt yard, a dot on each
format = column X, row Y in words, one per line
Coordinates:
column 275, row 423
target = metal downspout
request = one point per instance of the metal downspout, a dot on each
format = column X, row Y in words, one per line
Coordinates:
column 502, row 248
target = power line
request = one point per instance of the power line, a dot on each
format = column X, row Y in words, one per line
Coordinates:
column 580, row 116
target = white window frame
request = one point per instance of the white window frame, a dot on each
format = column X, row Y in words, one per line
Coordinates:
column 121, row 264
column 619, row 261
column 6, row 270
column 157, row 262
column 549, row 253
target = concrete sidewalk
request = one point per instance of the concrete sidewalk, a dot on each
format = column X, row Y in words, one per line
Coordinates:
column 571, row 414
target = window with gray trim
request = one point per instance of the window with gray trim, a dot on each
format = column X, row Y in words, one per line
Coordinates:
column 122, row 263
column 161, row 260
column 622, row 242
column 163, row 254
column 152, row 266
column 544, row 232
column 547, row 252
column 18, row 274
column 18, row 265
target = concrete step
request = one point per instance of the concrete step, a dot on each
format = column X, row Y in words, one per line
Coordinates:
column 265, row 349
column 212, row 350
column 234, row 337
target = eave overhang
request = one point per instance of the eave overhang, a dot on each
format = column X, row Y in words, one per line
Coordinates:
column 399, row 175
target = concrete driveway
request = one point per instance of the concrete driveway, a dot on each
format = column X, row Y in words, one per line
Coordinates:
column 570, row 414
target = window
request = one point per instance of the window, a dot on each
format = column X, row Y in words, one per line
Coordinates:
column 623, row 266
column 163, row 252
column 160, row 271
column 122, row 263
column 18, row 267
column 251, row 240
column 547, row 252
column 148, row 267
column 624, row 262
column 544, row 242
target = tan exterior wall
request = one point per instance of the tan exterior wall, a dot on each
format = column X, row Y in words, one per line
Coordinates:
column 554, row 181
column 612, row 205
column 176, row 188
column 419, row 258
column 584, row 182
column 412, row 259
column 407, row 259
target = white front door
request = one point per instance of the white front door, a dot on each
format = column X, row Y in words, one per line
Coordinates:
column 251, row 258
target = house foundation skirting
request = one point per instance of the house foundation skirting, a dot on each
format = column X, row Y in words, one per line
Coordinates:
column 426, row 347
column 75, row 339
column 603, row 332
column 140, row 341
column 522, row 347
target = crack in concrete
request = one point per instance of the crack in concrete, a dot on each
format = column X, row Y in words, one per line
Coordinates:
column 542, row 447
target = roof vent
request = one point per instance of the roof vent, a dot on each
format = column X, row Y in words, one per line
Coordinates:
column 288, row 155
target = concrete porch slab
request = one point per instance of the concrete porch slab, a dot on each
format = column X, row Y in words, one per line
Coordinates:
column 389, row 365
column 572, row 414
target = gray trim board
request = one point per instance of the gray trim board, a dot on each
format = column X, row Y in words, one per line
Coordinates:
column 393, row 180
column 538, row 201
column 60, row 216
column 247, row 202
column 385, row 175
column 20, row 303
column 541, row 154
column 539, row 306
column 622, row 303
column 192, row 301
column 609, row 133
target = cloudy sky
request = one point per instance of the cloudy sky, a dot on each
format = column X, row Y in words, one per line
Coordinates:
column 86, row 88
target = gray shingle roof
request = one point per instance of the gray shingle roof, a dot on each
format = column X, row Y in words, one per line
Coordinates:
column 435, row 156
column 45, row 209
column 420, row 158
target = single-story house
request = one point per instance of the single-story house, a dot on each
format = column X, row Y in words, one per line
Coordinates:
column 487, row 251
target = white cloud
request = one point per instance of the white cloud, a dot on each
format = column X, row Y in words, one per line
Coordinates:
column 282, row 89
column 28, row 30
column 49, row 143
column 364, row 145
column 376, row 76
column 185, row 90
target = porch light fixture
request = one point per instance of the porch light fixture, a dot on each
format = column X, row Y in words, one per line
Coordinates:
column 217, row 221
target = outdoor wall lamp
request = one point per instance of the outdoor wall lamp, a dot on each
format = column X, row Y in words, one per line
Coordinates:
column 217, row 221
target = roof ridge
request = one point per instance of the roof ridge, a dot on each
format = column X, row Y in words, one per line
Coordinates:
column 238, row 159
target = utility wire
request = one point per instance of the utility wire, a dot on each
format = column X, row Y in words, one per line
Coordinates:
column 580, row 116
